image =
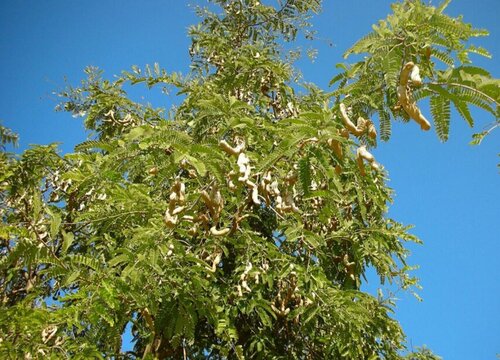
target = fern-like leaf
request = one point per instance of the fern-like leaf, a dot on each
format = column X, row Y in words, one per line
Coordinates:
column 444, row 24
column 392, row 67
column 285, row 149
column 305, row 174
column 479, row 51
column 421, row 93
column 440, row 109
column 464, row 112
column 385, row 124
column 474, row 97
column 93, row 144
column 444, row 57
column 362, row 45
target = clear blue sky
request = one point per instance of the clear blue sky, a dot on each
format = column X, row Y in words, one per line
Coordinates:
column 449, row 191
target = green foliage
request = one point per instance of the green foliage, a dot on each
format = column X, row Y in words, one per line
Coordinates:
column 7, row 136
column 440, row 46
column 242, row 224
column 422, row 354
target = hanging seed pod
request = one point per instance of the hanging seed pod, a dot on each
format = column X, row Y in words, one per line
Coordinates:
column 169, row 219
column 216, row 261
column 415, row 76
column 291, row 203
column 48, row 333
column 363, row 154
column 153, row 171
column 245, row 286
column 213, row 201
column 273, row 188
column 255, row 195
column 219, row 232
column 193, row 230
column 230, row 182
column 336, row 147
column 244, row 167
column 231, row 150
column 372, row 131
column 291, row 178
column 404, row 98
column 362, row 124
column 287, row 204
column 353, row 129
column 177, row 196
column 178, row 210
column 279, row 204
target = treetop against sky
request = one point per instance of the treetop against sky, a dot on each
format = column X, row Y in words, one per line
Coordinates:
column 252, row 219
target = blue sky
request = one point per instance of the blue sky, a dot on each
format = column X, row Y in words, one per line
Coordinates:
column 449, row 191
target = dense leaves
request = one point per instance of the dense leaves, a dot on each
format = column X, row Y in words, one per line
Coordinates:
column 440, row 45
column 242, row 224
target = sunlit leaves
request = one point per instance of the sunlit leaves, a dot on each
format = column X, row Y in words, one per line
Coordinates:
column 254, row 249
column 439, row 45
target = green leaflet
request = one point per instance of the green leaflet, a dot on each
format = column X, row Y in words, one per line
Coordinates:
column 305, row 174
column 284, row 150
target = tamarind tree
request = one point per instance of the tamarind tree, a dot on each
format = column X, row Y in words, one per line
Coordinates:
column 240, row 224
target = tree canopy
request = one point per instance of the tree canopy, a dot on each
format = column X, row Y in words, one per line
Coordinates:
column 241, row 223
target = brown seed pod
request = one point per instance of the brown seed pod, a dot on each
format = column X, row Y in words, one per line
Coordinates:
column 255, row 195
column 231, row 150
column 237, row 219
column 219, row 232
column 264, row 190
column 372, row 131
column 213, row 201
column 353, row 129
column 363, row 154
column 230, row 182
column 291, row 178
column 267, row 177
column 48, row 333
column 279, row 204
column 170, row 220
column 192, row 173
column 245, row 286
column 180, row 188
column 178, row 210
column 362, row 124
column 206, row 198
column 216, row 261
column 307, row 141
column 291, row 203
column 410, row 106
column 244, row 167
column 58, row 342
column 336, row 147
column 415, row 76
column 344, row 133
column 153, row 171
column 177, row 196
column 273, row 188
column 350, row 267
column 193, row 230
column 203, row 218
column 250, row 184
column 287, row 204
